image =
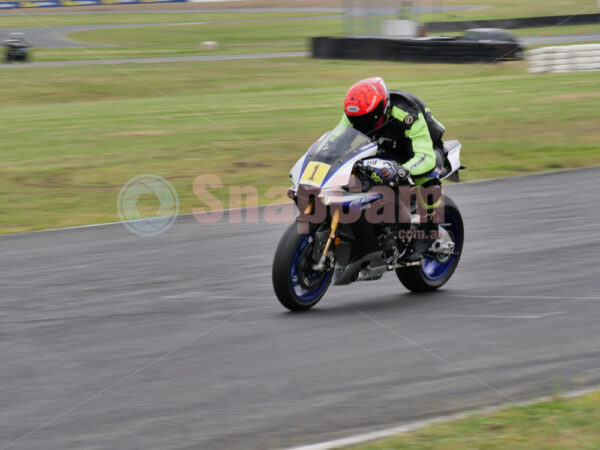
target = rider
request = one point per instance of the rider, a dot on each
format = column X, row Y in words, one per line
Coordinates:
column 16, row 43
column 406, row 131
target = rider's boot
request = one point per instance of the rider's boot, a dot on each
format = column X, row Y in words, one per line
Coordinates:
column 427, row 235
column 387, row 242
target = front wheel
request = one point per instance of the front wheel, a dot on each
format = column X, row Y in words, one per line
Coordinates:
column 297, row 286
column 433, row 273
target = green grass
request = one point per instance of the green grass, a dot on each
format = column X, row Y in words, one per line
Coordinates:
column 560, row 424
column 72, row 136
column 496, row 9
column 50, row 20
column 548, row 31
column 183, row 40
column 553, row 31
column 181, row 49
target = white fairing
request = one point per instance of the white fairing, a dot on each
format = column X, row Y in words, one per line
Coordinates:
column 452, row 149
column 296, row 171
column 341, row 177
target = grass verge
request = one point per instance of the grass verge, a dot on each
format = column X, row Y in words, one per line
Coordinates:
column 562, row 423
column 548, row 31
column 494, row 9
column 72, row 136
column 50, row 20
column 183, row 40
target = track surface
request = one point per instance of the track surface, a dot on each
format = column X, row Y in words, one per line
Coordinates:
column 116, row 341
column 158, row 60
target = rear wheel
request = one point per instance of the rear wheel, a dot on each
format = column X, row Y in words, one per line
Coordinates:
column 433, row 273
column 297, row 286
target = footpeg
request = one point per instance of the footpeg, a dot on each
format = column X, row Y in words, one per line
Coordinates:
column 400, row 265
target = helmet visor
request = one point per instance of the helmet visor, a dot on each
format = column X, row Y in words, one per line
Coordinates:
column 367, row 123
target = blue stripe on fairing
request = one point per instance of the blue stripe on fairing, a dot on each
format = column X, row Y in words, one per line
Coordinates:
column 303, row 164
column 371, row 199
column 344, row 163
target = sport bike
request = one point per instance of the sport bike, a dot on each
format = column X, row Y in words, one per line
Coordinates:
column 336, row 238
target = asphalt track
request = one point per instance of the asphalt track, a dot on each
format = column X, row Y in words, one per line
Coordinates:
column 110, row 340
column 157, row 60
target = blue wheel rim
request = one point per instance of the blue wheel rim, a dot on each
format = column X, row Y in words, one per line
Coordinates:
column 300, row 292
column 434, row 270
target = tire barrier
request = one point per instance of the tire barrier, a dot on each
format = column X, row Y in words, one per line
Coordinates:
column 412, row 50
column 568, row 58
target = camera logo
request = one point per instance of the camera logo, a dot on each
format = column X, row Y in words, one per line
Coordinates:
column 148, row 205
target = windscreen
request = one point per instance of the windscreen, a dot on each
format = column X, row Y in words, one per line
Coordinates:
column 331, row 152
column 334, row 146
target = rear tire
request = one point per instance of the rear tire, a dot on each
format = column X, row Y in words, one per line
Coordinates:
column 432, row 275
column 297, row 287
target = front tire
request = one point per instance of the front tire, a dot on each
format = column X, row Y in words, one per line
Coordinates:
column 432, row 274
column 296, row 285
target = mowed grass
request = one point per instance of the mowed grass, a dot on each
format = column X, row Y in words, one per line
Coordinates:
column 72, row 136
column 562, row 30
column 560, row 424
column 593, row 28
column 232, row 38
column 500, row 9
column 183, row 40
column 116, row 18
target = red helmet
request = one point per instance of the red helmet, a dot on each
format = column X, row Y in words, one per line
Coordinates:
column 367, row 104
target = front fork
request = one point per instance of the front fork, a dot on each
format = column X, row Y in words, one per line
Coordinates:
column 335, row 220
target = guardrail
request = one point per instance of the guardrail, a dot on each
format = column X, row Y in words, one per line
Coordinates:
column 412, row 50
column 568, row 58
column 522, row 22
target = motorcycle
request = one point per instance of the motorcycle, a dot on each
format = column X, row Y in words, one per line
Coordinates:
column 336, row 236
column 16, row 51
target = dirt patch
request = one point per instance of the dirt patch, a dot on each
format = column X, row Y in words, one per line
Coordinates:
column 189, row 6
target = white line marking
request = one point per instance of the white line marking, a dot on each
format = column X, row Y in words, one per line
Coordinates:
column 372, row 436
column 413, row 426
column 473, row 377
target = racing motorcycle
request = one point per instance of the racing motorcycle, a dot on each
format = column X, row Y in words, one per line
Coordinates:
column 336, row 236
column 17, row 49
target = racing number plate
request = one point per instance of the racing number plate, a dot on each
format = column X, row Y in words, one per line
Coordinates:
column 315, row 173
